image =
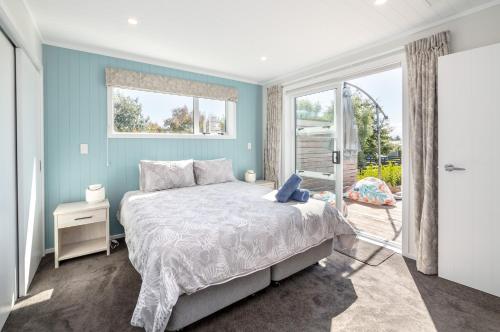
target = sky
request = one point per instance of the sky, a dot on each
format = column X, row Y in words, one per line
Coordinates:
column 387, row 89
column 159, row 106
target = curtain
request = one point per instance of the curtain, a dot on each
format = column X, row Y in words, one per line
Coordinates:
column 272, row 150
column 422, row 57
column 158, row 83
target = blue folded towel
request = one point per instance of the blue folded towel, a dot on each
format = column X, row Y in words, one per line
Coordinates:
column 286, row 191
column 300, row 195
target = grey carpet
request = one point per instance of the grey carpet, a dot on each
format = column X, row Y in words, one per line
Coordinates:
column 367, row 252
column 98, row 293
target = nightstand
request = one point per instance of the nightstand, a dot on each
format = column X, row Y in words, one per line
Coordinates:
column 266, row 183
column 80, row 228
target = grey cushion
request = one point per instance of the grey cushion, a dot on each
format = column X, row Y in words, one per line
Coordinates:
column 213, row 171
column 162, row 175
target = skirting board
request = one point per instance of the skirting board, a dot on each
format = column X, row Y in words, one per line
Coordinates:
column 111, row 237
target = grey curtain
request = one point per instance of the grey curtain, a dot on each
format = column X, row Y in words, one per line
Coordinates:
column 272, row 150
column 422, row 57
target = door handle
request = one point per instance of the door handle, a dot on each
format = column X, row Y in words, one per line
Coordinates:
column 336, row 157
column 451, row 168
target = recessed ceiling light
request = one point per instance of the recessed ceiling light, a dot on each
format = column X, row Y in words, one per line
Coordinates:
column 379, row 2
column 263, row 58
column 132, row 21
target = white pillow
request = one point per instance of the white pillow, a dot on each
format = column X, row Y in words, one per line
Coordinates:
column 213, row 171
column 162, row 175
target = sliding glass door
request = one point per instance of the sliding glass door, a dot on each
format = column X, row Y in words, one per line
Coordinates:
column 318, row 141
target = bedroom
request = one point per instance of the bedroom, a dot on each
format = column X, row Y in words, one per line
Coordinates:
column 198, row 166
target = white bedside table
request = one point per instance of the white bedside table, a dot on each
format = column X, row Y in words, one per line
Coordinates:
column 80, row 228
column 266, row 183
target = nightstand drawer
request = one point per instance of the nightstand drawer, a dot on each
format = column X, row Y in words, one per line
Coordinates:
column 81, row 218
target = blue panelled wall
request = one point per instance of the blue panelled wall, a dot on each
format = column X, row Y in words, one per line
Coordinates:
column 75, row 112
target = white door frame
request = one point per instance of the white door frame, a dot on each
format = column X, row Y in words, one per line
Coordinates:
column 289, row 130
column 344, row 74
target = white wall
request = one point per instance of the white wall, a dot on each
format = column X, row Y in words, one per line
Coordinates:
column 17, row 22
column 468, row 31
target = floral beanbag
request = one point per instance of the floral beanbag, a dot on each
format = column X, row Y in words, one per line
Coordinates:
column 372, row 191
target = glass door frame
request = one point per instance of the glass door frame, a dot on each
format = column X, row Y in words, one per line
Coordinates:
column 289, row 132
column 357, row 68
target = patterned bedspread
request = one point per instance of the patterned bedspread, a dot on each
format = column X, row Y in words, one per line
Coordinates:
column 184, row 240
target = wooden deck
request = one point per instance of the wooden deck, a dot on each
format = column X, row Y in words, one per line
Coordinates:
column 382, row 221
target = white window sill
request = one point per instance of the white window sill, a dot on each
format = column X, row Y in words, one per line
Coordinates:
column 170, row 136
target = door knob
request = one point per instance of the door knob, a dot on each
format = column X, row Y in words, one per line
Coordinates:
column 451, row 168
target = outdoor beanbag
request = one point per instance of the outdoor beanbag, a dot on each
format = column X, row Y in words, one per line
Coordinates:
column 371, row 191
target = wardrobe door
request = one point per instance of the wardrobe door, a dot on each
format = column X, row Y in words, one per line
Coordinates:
column 29, row 169
column 8, row 193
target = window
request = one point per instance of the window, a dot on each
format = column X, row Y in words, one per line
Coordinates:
column 138, row 113
column 212, row 116
column 317, row 107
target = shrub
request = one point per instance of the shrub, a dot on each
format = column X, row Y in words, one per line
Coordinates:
column 391, row 173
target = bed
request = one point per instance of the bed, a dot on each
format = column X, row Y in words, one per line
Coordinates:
column 201, row 248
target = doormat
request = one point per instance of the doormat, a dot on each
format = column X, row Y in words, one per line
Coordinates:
column 367, row 252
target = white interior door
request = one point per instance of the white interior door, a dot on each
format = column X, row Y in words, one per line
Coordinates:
column 8, row 204
column 318, row 135
column 29, row 156
column 469, row 123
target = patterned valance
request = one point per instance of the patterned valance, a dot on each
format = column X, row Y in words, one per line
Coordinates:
column 135, row 80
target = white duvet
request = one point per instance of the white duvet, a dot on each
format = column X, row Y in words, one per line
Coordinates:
column 187, row 239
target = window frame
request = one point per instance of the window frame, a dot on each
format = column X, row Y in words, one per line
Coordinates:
column 230, row 122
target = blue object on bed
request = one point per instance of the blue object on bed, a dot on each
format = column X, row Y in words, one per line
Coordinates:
column 300, row 195
column 286, row 191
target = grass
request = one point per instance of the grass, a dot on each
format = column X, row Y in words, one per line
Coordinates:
column 391, row 173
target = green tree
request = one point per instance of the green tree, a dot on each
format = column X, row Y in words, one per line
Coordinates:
column 365, row 114
column 330, row 112
column 202, row 123
column 306, row 110
column 153, row 127
column 128, row 115
column 181, row 121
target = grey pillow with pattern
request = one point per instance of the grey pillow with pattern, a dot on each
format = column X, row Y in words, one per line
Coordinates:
column 162, row 175
column 213, row 171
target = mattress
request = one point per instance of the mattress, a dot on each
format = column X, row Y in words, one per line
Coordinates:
column 187, row 239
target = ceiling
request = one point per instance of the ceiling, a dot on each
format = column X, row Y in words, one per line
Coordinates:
column 229, row 37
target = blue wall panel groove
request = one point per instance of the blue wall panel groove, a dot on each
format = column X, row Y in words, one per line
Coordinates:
column 75, row 98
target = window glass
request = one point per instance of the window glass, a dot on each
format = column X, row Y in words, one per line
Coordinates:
column 212, row 118
column 318, row 107
column 136, row 111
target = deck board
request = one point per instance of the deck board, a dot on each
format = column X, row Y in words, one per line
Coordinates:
column 382, row 221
